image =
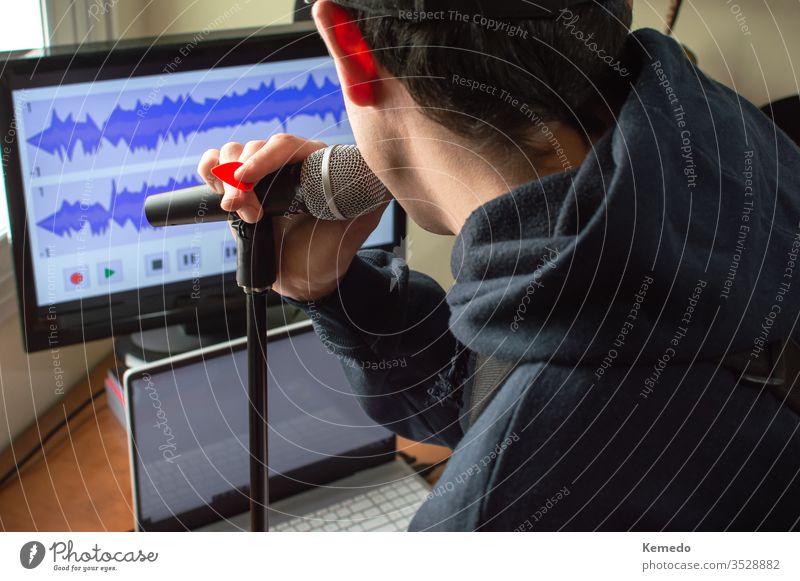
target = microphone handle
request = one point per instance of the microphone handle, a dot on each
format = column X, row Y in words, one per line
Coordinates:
column 194, row 205
column 279, row 193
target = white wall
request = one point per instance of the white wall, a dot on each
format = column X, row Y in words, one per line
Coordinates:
column 32, row 383
column 29, row 384
column 762, row 63
column 136, row 18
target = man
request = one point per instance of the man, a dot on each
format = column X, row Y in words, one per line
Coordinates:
column 626, row 268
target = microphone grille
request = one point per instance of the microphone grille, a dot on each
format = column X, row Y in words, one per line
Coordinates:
column 337, row 184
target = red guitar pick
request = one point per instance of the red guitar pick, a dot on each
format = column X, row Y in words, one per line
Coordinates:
column 225, row 173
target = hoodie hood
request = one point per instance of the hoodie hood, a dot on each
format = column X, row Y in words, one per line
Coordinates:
column 677, row 238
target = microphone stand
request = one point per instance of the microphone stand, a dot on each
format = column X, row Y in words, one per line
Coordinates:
column 255, row 274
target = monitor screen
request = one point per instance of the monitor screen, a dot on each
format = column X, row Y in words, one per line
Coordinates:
column 91, row 152
column 191, row 444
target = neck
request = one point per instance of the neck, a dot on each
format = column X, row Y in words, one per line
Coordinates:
column 440, row 179
column 460, row 179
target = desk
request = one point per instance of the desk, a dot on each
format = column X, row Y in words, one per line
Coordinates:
column 82, row 480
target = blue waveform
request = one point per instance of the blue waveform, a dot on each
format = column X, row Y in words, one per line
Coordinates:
column 145, row 125
column 125, row 206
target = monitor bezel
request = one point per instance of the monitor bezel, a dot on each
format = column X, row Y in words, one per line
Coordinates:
column 81, row 320
column 236, row 502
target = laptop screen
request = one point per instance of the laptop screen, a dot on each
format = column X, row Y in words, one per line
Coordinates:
column 189, row 425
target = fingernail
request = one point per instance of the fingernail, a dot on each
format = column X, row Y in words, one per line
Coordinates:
column 241, row 170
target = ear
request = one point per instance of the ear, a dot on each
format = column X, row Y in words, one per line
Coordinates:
column 354, row 61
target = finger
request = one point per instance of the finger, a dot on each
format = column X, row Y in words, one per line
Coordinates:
column 232, row 198
column 250, row 148
column 250, row 210
column 279, row 150
column 209, row 160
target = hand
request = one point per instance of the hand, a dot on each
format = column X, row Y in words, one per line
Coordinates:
column 312, row 255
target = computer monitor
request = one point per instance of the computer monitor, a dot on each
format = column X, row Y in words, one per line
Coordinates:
column 90, row 132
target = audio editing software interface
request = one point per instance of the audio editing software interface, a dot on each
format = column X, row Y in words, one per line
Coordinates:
column 92, row 152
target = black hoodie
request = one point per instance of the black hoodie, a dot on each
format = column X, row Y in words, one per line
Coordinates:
column 615, row 289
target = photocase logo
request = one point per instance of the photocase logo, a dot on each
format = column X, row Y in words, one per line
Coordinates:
column 31, row 554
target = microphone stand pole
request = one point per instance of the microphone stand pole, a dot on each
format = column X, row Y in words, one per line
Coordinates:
column 255, row 274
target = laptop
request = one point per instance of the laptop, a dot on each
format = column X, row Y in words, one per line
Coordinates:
column 331, row 468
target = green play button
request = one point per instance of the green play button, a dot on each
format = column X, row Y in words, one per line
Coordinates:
column 110, row 272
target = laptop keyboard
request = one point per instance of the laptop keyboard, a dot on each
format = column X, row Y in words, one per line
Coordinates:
column 388, row 507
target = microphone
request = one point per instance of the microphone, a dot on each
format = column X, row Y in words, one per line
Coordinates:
column 333, row 183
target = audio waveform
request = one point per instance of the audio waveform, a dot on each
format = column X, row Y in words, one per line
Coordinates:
column 142, row 127
column 125, row 206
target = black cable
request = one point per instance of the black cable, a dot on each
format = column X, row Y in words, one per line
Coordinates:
column 48, row 436
column 672, row 15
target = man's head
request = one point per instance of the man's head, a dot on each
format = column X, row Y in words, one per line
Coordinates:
column 442, row 97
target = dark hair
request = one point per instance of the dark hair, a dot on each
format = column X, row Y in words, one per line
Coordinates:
column 550, row 65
